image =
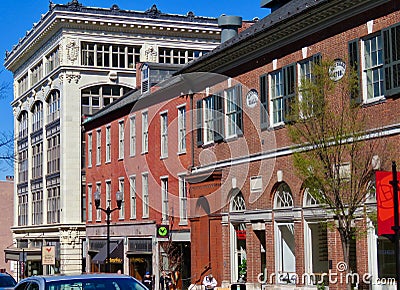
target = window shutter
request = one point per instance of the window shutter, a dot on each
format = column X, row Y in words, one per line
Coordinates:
column 199, row 122
column 218, row 117
column 289, row 76
column 391, row 48
column 264, row 101
column 355, row 65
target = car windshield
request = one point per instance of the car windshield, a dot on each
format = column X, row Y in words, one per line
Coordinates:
column 7, row 281
column 95, row 284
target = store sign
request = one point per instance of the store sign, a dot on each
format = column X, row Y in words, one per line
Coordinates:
column 384, row 202
column 49, row 255
column 162, row 231
column 252, row 98
column 241, row 234
column 337, row 70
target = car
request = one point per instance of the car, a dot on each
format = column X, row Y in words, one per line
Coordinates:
column 81, row 282
column 6, row 281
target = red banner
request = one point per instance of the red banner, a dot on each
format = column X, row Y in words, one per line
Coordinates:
column 385, row 202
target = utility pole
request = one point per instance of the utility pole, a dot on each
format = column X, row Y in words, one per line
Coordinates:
column 396, row 228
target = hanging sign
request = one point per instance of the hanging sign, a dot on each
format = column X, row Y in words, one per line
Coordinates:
column 337, row 70
column 49, row 255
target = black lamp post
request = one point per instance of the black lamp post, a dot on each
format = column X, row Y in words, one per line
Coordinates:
column 108, row 212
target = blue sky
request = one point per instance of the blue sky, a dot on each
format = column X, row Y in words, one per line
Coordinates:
column 17, row 17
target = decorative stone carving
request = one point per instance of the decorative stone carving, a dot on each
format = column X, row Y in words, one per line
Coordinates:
column 153, row 12
column 69, row 77
column 70, row 236
column 72, row 49
column 74, row 5
column 190, row 16
column 150, row 53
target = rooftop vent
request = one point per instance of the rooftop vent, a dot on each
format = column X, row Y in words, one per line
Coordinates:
column 229, row 26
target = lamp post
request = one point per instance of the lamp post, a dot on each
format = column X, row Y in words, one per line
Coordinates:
column 108, row 212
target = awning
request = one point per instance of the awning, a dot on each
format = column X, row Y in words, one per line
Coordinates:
column 26, row 254
column 116, row 253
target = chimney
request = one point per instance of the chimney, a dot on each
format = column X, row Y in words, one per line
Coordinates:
column 229, row 26
column 273, row 4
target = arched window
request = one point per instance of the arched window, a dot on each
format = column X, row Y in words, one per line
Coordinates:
column 23, row 125
column 283, row 196
column 53, row 108
column 37, row 116
column 238, row 203
column 309, row 199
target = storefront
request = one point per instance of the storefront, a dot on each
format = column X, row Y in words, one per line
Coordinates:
column 98, row 254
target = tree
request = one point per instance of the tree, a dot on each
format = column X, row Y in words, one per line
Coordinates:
column 6, row 138
column 335, row 145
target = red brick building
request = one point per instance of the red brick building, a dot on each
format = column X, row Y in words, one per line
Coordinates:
column 137, row 146
column 250, row 211
column 6, row 241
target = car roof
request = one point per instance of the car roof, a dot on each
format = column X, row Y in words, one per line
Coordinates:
column 82, row 276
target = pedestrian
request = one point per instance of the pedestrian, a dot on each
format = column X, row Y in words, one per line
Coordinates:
column 148, row 281
column 209, row 282
column 165, row 281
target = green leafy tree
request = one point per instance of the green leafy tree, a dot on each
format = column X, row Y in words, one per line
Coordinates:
column 335, row 146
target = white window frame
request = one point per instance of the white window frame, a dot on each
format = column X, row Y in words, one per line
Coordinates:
column 181, row 129
column 98, row 211
column 132, row 196
column 208, row 117
column 90, row 202
column 145, row 132
column 164, row 199
column 145, row 194
column 108, row 143
column 98, row 147
column 283, row 264
column 164, row 134
column 121, row 188
column 108, row 193
column 132, row 135
column 90, row 149
column 369, row 64
column 121, row 138
column 277, row 98
column 183, row 200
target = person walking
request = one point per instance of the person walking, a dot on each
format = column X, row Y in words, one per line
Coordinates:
column 209, row 282
column 165, row 281
column 148, row 281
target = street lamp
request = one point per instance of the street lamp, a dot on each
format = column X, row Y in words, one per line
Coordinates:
column 108, row 212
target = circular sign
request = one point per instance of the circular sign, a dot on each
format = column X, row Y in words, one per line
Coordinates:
column 252, row 98
column 162, row 231
column 337, row 70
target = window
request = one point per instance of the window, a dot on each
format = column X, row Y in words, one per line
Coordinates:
column 53, row 154
column 22, row 206
column 23, row 163
column 110, row 55
column 282, row 94
column 182, row 129
column 37, row 160
column 108, row 143
column 53, row 106
column 98, row 147
column 177, row 56
column 90, row 203
column 373, row 68
column 132, row 182
column 121, row 189
column 96, row 97
column 283, row 196
column 90, row 149
column 52, row 60
column 305, row 75
column 145, row 193
column 23, row 125
column 121, row 140
column 164, row 199
column 37, row 116
column 213, row 118
column 98, row 211
column 164, row 135
column 37, row 207
column 145, row 132
column 108, row 193
column 23, row 84
column 37, row 73
column 132, row 136
column 53, row 205
column 264, row 119
column 234, row 111
column 238, row 203
column 183, row 210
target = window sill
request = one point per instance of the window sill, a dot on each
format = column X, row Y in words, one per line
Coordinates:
column 163, row 157
column 181, row 153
